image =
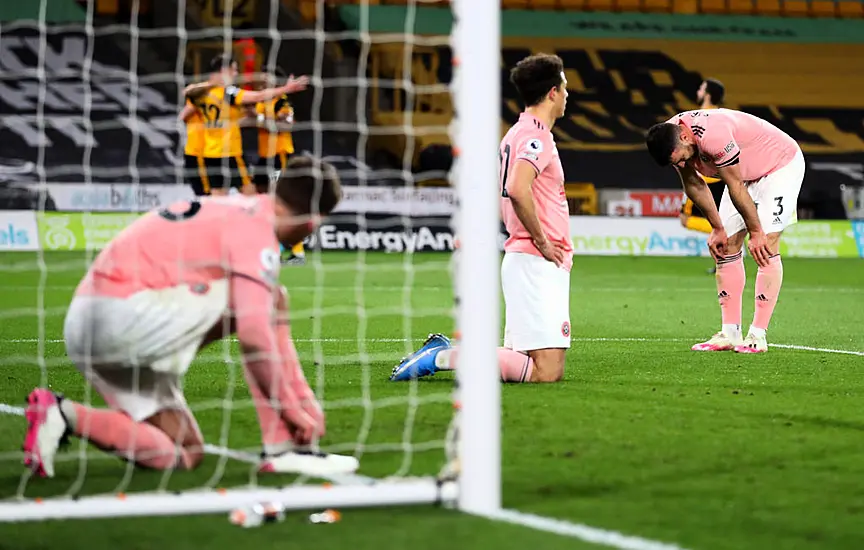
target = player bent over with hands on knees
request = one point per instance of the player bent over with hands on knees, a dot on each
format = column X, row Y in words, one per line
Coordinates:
column 171, row 283
column 535, row 272
column 762, row 168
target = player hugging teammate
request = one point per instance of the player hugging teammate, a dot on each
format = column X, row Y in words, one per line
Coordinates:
column 214, row 113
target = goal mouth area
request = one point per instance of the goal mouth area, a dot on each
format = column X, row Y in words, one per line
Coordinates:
column 374, row 493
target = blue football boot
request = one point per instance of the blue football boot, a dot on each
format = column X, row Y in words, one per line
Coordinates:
column 421, row 362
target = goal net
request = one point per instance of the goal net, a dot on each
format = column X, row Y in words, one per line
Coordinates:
column 90, row 96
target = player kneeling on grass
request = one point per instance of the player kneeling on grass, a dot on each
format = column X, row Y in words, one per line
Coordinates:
column 763, row 169
column 172, row 282
column 535, row 272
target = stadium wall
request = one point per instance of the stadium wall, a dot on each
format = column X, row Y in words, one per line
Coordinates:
column 629, row 71
column 27, row 230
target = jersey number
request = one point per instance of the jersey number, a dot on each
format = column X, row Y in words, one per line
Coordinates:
column 779, row 201
column 505, row 165
column 213, row 115
column 194, row 208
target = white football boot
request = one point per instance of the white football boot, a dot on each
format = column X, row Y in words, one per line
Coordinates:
column 752, row 344
column 718, row 342
column 310, row 463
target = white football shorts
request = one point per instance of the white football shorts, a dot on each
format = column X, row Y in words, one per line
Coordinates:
column 537, row 303
column 776, row 198
column 134, row 351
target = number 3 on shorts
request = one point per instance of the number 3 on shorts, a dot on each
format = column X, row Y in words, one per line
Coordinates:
column 779, row 211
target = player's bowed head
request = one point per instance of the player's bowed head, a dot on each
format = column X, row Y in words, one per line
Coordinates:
column 307, row 191
column 670, row 143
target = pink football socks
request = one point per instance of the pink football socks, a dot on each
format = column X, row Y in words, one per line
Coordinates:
column 769, row 279
column 115, row 432
column 730, row 291
column 515, row 366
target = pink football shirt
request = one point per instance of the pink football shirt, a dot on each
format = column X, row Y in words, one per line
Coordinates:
column 726, row 137
column 189, row 244
column 529, row 140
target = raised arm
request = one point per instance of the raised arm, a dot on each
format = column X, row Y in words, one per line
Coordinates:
column 195, row 91
column 293, row 85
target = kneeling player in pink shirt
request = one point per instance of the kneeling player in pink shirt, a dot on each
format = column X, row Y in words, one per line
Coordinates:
column 763, row 169
column 171, row 283
column 538, row 255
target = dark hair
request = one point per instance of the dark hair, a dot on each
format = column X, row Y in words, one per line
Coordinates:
column 716, row 90
column 221, row 62
column 535, row 75
column 662, row 139
column 309, row 186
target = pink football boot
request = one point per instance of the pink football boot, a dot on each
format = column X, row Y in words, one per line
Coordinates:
column 46, row 430
column 718, row 342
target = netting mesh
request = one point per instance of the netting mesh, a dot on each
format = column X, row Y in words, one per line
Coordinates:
column 93, row 104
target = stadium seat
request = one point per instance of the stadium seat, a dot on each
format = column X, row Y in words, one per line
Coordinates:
column 823, row 8
column 628, row 5
column 713, row 6
column 599, row 5
column 768, row 7
column 658, row 6
column 554, row 4
column 309, row 11
column 795, row 8
column 581, row 198
column 850, row 9
column 741, row 7
column 107, row 7
column 685, row 6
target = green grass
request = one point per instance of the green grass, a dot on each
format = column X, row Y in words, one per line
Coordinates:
column 643, row 437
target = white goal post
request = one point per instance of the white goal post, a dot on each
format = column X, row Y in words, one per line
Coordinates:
column 477, row 485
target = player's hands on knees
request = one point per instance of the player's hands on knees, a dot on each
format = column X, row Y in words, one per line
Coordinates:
column 552, row 251
column 758, row 247
column 718, row 243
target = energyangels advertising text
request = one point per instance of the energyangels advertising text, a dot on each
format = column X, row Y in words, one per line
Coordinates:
column 591, row 235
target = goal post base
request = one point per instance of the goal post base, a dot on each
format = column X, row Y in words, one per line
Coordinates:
column 297, row 497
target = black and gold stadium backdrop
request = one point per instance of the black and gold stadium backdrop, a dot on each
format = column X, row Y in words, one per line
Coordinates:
column 619, row 87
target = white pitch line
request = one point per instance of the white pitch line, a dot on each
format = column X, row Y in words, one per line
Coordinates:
column 240, row 456
column 9, row 409
column 797, row 347
column 821, row 350
column 300, row 340
column 613, row 539
column 433, row 288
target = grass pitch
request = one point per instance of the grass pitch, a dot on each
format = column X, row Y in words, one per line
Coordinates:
column 716, row 451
